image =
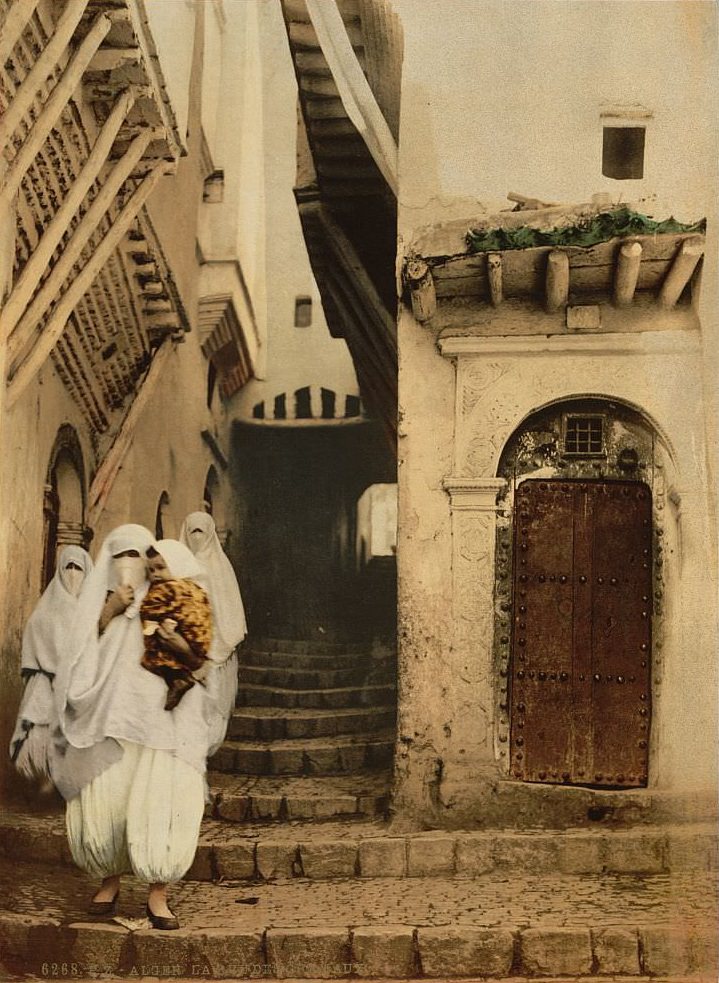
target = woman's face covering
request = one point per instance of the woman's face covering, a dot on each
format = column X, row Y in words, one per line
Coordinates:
column 196, row 538
column 129, row 569
column 73, row 578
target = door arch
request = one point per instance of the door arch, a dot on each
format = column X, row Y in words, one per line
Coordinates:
column 580, row 587
column 64, row 500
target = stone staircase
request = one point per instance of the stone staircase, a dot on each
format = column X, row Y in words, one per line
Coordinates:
column 299, row 875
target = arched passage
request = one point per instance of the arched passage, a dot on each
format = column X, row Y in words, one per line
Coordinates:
column 64, row 500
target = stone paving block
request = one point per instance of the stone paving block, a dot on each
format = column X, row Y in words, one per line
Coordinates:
column 234, row 808
column 275, row 858
column 331, row 858
column 155, row 951
column 236, row 861
column 327, row 806
column 98, row 948
column 463, row 950
column 383, row 951
column 225, row 760
column 229, row 955
column 581, row 854
column 300, row 807
column 371, row 805
column 665, row 950
column 532, row 852
column 689, row 850
column 634, row 853
column 26, row 941
column 286, row 761
column 556, row 951
column 265, row 806
column 616, row 951
column 383, row 856
column 353, row 757
column 307, row 953
column 322, row 760
column 430, row 855
column 201, row 869
column 473, row 854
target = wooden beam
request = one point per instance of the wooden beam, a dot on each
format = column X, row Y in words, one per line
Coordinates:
column 681, row 270
column 626, row 273
column 107, row 472
column 42, row 69
column 23, row 370
column 421, row 285
column 494, row 275
column 15, row 23
column 37, row 264
column 557, row 280
column 78, row 242
column 56, row 102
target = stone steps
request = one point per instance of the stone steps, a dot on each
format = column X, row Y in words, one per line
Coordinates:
column 311, row 756
column 364, row 794
column 272, row 723
column 365, row 851
column 301, row 678
column 303, row 660
column 557, row 925
column 333, row 697
column 305, row 646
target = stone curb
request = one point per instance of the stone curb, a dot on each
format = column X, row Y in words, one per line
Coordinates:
column 284, row 852
column 34, row 945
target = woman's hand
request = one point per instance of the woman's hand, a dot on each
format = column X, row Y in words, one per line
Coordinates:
column 120, row 599
column 175, row 641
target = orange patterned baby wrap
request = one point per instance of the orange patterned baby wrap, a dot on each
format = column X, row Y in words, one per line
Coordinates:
column 188, row 605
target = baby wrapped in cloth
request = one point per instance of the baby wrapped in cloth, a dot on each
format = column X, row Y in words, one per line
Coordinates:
column 176, row 619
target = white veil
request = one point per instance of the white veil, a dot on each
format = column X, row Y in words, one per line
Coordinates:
column 199, row 534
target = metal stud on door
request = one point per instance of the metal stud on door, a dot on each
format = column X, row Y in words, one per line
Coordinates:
column 580, row 707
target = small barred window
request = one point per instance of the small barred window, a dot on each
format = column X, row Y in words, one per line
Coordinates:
column 583, row 435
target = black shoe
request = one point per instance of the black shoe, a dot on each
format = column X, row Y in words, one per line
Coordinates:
column 161, row 923
column 103, row 907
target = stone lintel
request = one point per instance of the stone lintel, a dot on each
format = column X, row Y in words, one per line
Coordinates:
column 474, row 494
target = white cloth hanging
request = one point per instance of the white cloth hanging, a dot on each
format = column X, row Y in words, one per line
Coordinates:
column 103, row 695
column 228, row 612
column 44, row 645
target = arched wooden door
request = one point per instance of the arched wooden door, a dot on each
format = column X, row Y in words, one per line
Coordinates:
column 581, row 697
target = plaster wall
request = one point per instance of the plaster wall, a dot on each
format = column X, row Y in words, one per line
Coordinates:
column 515, row 93
column 172, row 25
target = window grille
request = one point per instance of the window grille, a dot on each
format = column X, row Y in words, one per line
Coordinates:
column 583, row 435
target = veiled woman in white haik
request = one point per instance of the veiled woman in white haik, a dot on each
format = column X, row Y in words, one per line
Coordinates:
column 44, row 644
column 133, row 773
column 228, row 619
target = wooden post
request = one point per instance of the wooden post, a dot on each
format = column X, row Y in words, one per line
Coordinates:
column 421, row 285
column 41, row 70
column 23, row 370
column 626, row 273
column 56, row 102
column 684, row 264
column 38, row 262
column 15, row 23
column 557, row 284
column 112, row 462
column 78, row 241
column 494, row 275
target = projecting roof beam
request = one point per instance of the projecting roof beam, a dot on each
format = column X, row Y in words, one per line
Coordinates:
column 681, row 270
column 112, row 462
column 85, row 228
column 56, row 103
column 557, row 280
column 23, row 371
column 354, row 89
column 15, row 23
column 42, row 69
column 626, row 273
column 40, row 259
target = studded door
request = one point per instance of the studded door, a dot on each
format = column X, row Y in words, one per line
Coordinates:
column 580, row 700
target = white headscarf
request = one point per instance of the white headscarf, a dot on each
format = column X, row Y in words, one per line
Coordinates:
column 46, row 633
column 228, row 612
